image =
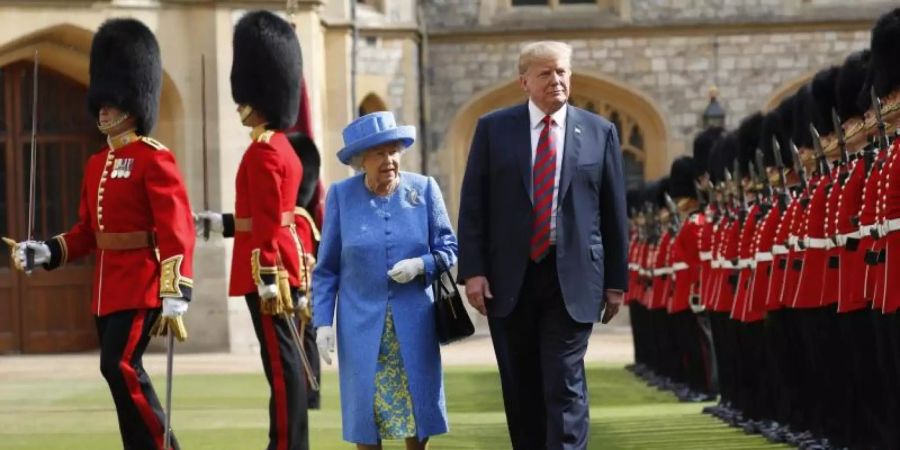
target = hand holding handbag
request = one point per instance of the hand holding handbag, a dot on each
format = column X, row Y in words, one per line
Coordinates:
column 452, row 322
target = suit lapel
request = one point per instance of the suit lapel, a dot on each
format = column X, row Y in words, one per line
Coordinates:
column 571, row 150
column 522, row 146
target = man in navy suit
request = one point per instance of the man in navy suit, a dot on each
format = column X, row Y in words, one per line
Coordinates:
column 543, row 240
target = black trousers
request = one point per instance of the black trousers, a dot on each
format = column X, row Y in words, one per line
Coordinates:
column 693, row 356
column 637, row 314
column 124, row 336
column 540, row 352
column 781, row 391
column 288, row 416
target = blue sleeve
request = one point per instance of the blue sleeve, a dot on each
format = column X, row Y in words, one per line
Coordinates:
column 613, row 217
column 326, row 275
column 440, row 233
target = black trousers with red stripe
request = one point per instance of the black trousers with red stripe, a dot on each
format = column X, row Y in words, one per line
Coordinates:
column 124, row 336
column 288, row 416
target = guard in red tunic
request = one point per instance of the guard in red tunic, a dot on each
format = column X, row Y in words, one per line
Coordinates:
column 135, row 219
column 686, row 265
column 269, row 255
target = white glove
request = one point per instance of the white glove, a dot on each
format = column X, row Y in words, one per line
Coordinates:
column 325, row 342
column 215, row 222
column 41, row 253
column 267, row 291
column 174, row 307
column 303, row 302
column 404, row 271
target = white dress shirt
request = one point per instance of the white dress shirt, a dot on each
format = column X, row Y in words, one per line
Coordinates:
column 558, row 138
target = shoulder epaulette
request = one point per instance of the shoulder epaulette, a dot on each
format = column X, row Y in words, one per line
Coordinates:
column 153, row 143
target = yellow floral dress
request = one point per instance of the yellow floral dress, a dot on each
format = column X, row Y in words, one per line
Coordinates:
column 393, row 403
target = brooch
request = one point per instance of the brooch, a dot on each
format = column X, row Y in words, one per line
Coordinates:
column 412, row 196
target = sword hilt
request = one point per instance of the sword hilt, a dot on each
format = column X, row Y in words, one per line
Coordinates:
column 206, row 227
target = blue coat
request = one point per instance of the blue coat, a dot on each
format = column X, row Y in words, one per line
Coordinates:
column 363, row 237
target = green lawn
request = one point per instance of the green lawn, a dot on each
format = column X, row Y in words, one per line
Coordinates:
column 225, row 412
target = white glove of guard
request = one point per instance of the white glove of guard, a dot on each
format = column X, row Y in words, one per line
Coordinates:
column 325, row 342
column 303, row 302
column 41, row 253
column 404, row 271
column 174, row 307
column 215, row 222
column 267, row 291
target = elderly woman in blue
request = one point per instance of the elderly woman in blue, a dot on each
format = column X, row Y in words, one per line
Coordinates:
column 373, row 281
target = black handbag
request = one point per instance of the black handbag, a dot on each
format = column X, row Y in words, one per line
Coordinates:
column 450, row 317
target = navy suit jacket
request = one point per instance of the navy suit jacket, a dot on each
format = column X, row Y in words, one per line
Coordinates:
column 495, row 214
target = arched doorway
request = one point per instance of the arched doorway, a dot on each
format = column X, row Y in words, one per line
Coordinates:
column 47, row 311
column 642, row 129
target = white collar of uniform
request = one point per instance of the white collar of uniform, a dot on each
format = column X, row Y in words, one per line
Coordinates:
column 536, row 115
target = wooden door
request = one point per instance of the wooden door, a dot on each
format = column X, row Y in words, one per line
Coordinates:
column 47, row 311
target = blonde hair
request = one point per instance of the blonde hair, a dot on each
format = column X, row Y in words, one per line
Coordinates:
column 543, row 51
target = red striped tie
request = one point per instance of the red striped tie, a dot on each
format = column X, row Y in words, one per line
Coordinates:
column 543, row 178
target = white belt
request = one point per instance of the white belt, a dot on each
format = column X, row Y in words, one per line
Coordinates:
column 662, row 271
column 679, row 266
column 716, row 264
column 726, row 264
column 842, row 239
column 866, row 230
column 633, row 266
column 793, row 241
column 705, row 256
column 891, row 226
column 779, row 250
column 765, row 256
column 817, row 243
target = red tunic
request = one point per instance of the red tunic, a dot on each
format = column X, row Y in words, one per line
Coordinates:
column 780, row 257
column 686, row 262
column 852, row 255
column 268, row 180
column 707, row 238
column 763, row 258
column 728, row 277
column 812, row 272
column 746, row 253
column 891, row 215
column 868, row 219
column 795, row 252
column 831, row 286
column 132, row 188
column 661, row 273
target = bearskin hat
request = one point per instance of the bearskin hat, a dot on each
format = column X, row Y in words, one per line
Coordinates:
column 852, row 95
column 703, row 144
column 823, row 97
column 886, row 53
column 309, row 156
column 803, row 116
column 126, row 72
column 683, row 178
column 267, row 68
column 748, row 137
column 722, row 156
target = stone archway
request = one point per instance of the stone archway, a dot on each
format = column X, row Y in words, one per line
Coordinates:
column 643, row 131
column 66, row 49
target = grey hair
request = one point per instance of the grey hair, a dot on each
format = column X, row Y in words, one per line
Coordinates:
column 542, row 51
column 356, row 162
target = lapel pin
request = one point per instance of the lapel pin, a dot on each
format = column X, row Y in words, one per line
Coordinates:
column 412, row 196
column 577, row 130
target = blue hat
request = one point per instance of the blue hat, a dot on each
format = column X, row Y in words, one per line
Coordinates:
column 373, row 130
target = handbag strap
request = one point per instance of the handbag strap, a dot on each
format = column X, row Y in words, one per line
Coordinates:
column 442, row 269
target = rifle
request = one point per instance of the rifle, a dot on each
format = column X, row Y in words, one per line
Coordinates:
column 739, row 188
column 674, row 218
column 782, row 178
column 839, row 131
column 882, row 127
column 798, row 167
column 821, row 160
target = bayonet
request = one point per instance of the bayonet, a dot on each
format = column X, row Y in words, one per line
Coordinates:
column 761, row 174
column 839, row 132
column 782, row 177
column 673, row 212
column 821, row 160
column 798, row 167
column 882, row 128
